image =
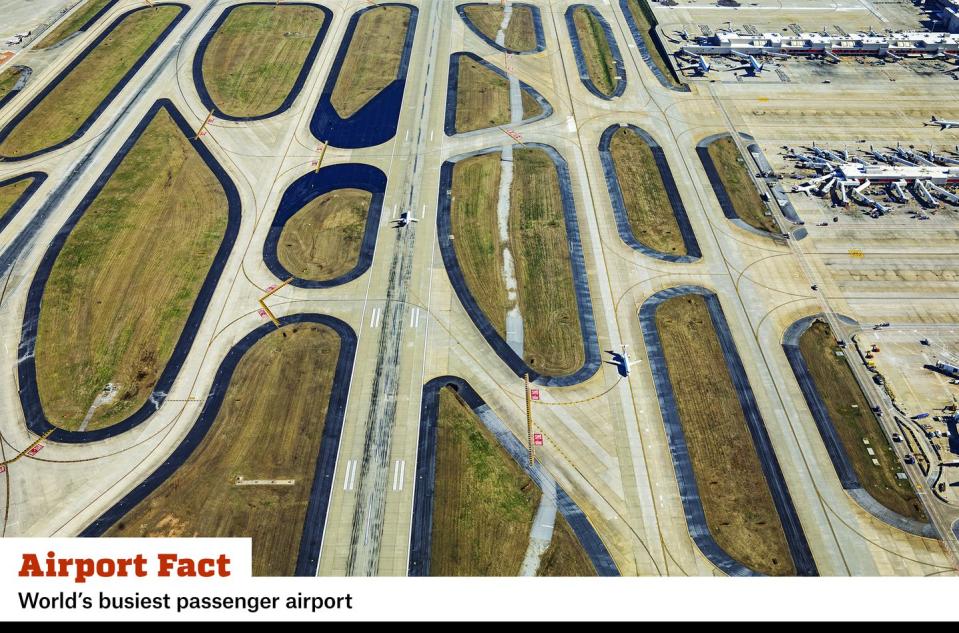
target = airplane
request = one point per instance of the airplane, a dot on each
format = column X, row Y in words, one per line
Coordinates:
column 753, row 67
column 404, row 220
column 700, row 68
column 625, row 363
column 943, row 124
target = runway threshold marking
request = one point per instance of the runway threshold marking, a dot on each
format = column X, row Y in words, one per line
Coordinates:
column 350, row 477
column 265, row 308
column 399, row 474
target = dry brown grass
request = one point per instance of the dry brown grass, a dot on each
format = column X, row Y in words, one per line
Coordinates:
column 733, row 170
column 596, row 51
column 487, row 18
column 483, row 504
column 521, row 32
column 373, row 59
column 854, row 421
column 259, row 433
column 9, row 194
column 739, row 507
column 60, row 114
column 531, row 107
column 482, row 97
column 650, row 214
column 69, row 26
column 646, row 27
column 256, row 55
column 478, row 248
column 123, row 285
column 553, row 342
column 322, row 240
column 565, row 556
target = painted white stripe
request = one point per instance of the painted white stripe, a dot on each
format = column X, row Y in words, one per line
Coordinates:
column 423, row 214
column 402, row 473
column 350, row 475
column 396, row 474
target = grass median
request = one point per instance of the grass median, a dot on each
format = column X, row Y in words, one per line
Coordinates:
column 122, row 287
column 739, row 508
column 646, row 25
column 520, row 33
column 482, row 97
column 71, row 102
column 733, row 171
column 565, row 556
column 648, row 209
column 854, row 422
column 536, row 237
column 9, row 194
column 255, row 57
column 260, row 435
column 72, row 23
column 596, row 51
column 372, row 61
column 322, row 240
column 8, row 80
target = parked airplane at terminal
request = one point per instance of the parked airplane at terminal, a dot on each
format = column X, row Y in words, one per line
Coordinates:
column 943, row 124
column 752, row 66
column 700, row 68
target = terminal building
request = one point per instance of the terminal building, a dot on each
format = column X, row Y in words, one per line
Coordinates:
column 894, row 44
column 898, row 173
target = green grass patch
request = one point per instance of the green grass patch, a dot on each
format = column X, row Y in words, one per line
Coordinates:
column 253, row 60
column 650, row 213
column 61, row 113
column 739, row 508
column 9, row 194
column 733, row 171
column 122, row 286
column 596, row 51
column 855, row 422
column 8, row 79
column 72, row 23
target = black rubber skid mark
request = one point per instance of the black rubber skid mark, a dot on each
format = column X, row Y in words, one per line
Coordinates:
column 423, row 494
column 200, row 83
column 26, row 369
column 312, row 186
column 581, row 66
column 452, row 88
column 623, row 225
column 682, row 463
column 38, row 178
column 644, row 50
column 584, row 304
column 108, row 99
column 375, row 122
column 312, row 535
column 537, row 27
column 830, row 437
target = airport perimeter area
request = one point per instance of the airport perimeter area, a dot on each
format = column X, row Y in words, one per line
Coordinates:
column 452, row 288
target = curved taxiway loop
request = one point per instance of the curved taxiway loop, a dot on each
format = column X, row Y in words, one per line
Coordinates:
column 200, row 84
column 110, row 96
column 830, row 438
column 581, row 61
column 421, row 528
column 577, row 262
column 693, row 252
column 452, row 86
column 326, row 460
column 375, row 122
column 38, row 178
column 644, row 50
column 688, row 489
column 25, row 72
column 702, row 150
column 312, row 186
column 537, row 27
column 26, row 369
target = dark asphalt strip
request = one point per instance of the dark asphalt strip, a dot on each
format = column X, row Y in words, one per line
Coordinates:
column 25, row 73
column 422, row 525
column 200, row 83
column 375, row 122
column 110, row 96
column 581, row 66
column 834, row 446
column 312, row 535
column 584, row 304
column 452, row 86
column 537, row 27
column 38, row 178
column 644, row 50
column 312, row 186
column 623, row 225
column 685, row 476
column 26, row 369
